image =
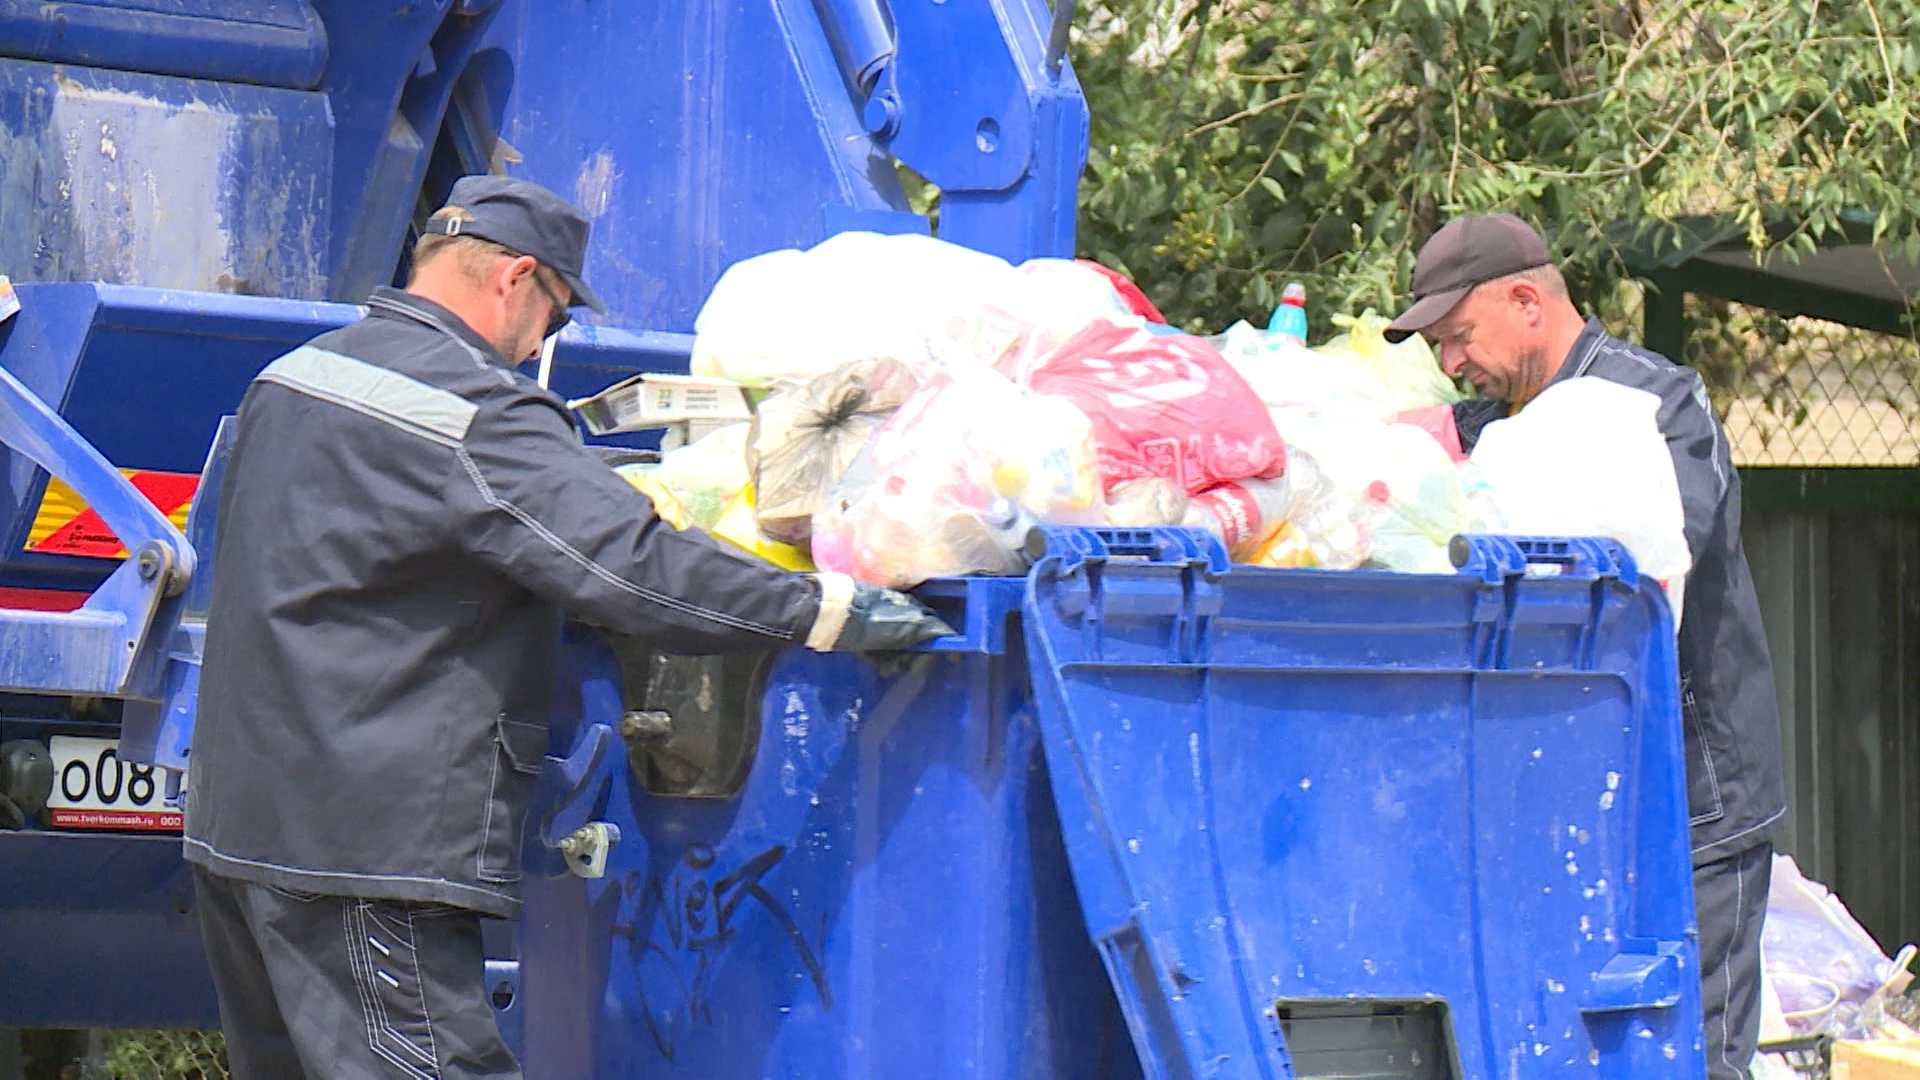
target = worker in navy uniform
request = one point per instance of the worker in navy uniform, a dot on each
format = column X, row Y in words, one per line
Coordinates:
column 1490, row 298
column 403, row 522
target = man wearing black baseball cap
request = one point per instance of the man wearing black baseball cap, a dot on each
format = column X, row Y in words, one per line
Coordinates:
column 403, row 520
column 1496, row 308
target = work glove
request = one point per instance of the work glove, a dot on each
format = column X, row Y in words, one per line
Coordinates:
column 862, row 618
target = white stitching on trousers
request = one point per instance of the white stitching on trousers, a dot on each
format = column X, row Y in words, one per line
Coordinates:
column 1726, row 1004
column 378, row 1021
column 420, row 984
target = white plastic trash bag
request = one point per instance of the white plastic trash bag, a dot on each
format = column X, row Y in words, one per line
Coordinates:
column 1586, row 458
column 854, row 296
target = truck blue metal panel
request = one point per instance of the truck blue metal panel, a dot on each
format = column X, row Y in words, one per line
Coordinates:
column 99, row 931
column 729, row 141
column 144, row 375
column 733, row 140
column 262, row 42
column 695, row 137
column 1321, row 818
column 161, row 181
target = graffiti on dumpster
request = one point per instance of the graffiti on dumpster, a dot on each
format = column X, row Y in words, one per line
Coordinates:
column 679, row 925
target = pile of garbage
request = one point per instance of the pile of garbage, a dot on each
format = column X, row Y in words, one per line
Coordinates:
column 921, row 407
column 1823, row 975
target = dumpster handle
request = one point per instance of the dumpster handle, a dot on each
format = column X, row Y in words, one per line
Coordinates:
column 1497, row 557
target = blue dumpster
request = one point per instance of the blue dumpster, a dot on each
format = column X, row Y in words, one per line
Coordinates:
column 1148, row 814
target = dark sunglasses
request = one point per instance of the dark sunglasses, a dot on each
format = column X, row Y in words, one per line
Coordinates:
column 562, row 315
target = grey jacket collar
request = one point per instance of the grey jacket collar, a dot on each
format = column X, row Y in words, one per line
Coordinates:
column 1580, row 357
column 393, row 303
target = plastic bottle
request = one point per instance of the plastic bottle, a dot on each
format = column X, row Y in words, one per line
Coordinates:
column 1290, row 318
column 1243, row 513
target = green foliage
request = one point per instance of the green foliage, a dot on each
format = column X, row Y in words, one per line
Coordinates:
column 166, row 1055
column 1241, row 144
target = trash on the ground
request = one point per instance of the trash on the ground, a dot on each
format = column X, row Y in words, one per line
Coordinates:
column 1823, row 972
column 805, row 436
column 1165, row 405
column 1861, row 1060
column 1586, row 458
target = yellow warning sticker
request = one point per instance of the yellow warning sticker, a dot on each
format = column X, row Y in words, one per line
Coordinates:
column 66, row 525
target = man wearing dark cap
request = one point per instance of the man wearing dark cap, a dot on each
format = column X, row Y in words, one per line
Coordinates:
column 1490, row 298
column 402, row 522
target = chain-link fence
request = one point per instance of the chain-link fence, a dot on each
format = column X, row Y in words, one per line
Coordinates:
column 163, row 1055
column 1803, row 392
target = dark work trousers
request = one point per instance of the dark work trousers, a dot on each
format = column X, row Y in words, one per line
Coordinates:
column 342, row 988
column 1730, row 899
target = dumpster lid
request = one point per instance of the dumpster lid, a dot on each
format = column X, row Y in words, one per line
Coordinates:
column 1363, row 823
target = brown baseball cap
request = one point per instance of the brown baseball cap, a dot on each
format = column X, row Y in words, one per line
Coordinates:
column 1468, row 251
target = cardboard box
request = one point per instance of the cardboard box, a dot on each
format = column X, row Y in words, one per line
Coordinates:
column 1883, row 1059
column 656, row 401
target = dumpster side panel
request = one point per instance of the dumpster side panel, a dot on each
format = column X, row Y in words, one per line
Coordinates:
column 1333, row 821
column 888, row 896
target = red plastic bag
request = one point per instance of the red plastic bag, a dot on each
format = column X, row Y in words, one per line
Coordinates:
column 1437, row 421
column 1166, row 405
column 1130, row 293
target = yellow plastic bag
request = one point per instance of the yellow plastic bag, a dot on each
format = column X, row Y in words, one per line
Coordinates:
column 738, row 527
column 665, row 505
column 1407, row 375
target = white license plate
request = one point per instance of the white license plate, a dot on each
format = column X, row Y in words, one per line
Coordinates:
column 94, row 789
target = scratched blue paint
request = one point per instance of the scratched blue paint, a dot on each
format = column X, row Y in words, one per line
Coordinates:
column 162, row 181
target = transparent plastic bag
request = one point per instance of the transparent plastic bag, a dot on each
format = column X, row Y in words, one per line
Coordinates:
column 1025, row 317
column 953, row 482
column 1244, row 514
column 805, row 437
column 705, row 475
column 1408, row 371
column 1150, row 502
column 1357, row 373
column 1811, row 944
column 1393, row 497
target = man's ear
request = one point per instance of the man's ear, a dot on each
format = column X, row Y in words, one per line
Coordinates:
column 511, row 271
column 1529, row 297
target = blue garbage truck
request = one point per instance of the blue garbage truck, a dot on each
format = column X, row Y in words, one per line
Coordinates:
column 1147, row 814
